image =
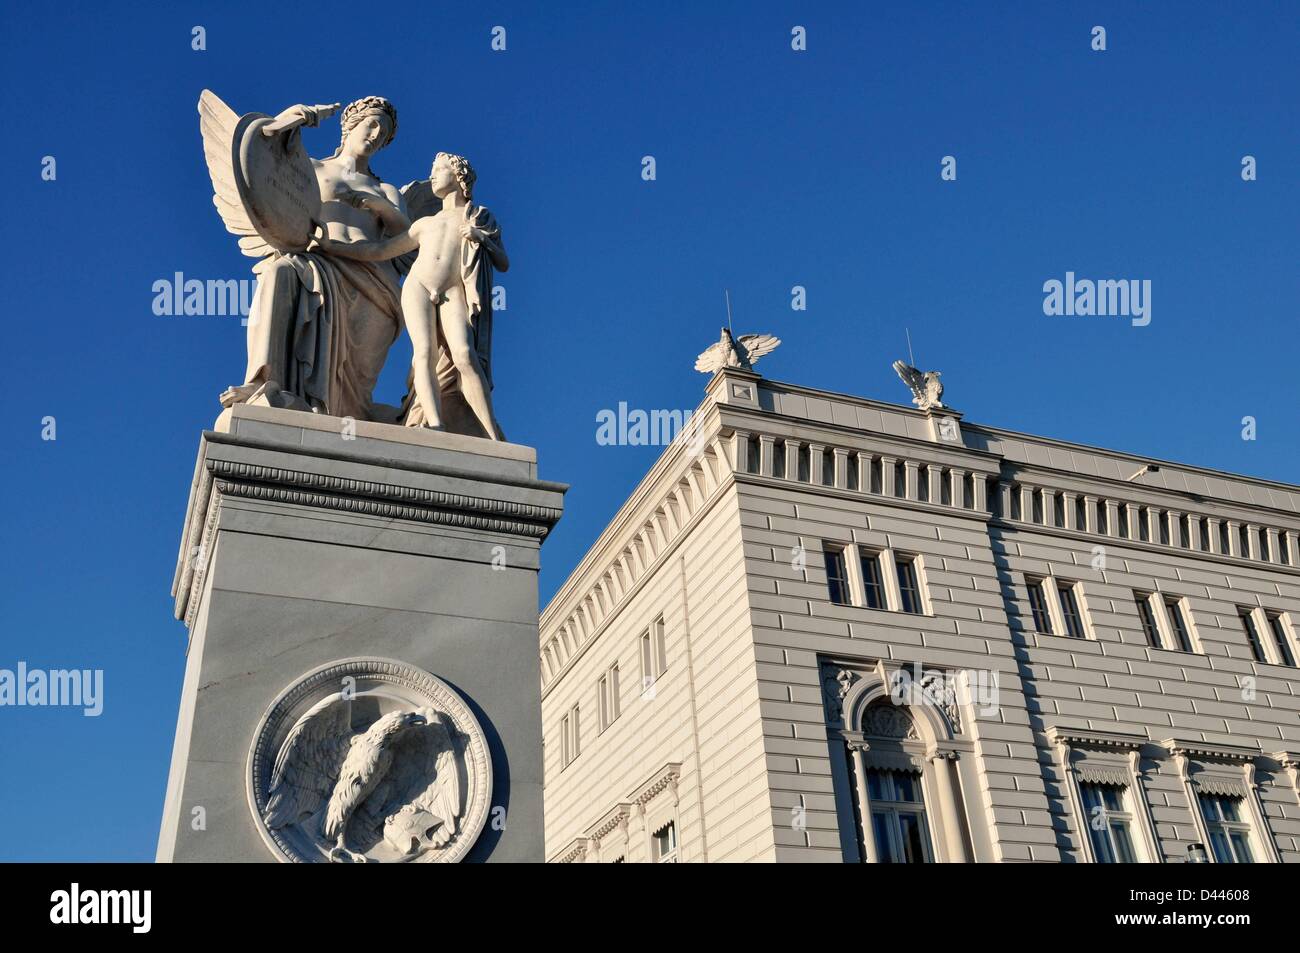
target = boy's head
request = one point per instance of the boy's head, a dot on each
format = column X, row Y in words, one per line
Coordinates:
column 452, row 172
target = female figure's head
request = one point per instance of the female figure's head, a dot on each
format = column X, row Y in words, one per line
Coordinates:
column 368, row 124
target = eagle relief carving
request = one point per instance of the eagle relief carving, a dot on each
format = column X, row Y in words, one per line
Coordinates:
column 389, row 766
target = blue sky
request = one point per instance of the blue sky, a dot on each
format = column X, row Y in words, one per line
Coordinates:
column 775, row 168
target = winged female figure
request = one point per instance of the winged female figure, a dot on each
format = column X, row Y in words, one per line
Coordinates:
column 321, row 325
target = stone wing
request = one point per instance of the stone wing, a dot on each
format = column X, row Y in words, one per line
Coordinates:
column 712, row 359
column 307, row 766
column 217, row 123
column 911, row 377
column 420, row 200
column 756, row 345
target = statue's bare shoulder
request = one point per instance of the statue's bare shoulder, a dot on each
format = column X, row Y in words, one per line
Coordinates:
column 393, row 194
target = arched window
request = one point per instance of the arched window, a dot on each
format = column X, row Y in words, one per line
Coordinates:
column 900, row 773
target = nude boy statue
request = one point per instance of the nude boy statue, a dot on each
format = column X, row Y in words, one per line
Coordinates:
column 446, row 302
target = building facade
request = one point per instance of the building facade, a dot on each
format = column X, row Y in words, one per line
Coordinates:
column 825, row 628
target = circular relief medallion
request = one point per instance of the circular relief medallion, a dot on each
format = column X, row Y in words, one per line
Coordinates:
column 369, row 760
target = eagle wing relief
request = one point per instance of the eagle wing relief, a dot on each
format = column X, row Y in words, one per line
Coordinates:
column 420, row 803
column 217, row 123
column 308, row 763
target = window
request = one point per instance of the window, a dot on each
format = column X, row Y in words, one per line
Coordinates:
column 1149, row 627
column 1229, row 834
column 1278, row 628
column 607, row 692
column 859, row 576
column 909, row 591
column 778, row 459
column 837, row 578
column 898, row 817
column 1109, row 823
column 1070, row 610
column 570, row 739
column 654, row 658
column 1174, row 609
column 1252, row 635
column 665, row 844
column 873, row 585
column 1038, row 606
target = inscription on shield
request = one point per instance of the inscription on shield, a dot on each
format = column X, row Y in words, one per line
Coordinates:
column 277, row 183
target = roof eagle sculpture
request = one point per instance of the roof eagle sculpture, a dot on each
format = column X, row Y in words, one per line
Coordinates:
column 925, row 386
column 742, row 352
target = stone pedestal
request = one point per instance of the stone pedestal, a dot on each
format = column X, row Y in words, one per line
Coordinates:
column 310, row 541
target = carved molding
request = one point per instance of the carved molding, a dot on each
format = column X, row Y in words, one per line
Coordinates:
column 836, row 683
column 381, row 499
column 575, row 853
column 664, row 779
column 617, row 817
column 1095, row 740
column 218, row 479
column 1201, row 751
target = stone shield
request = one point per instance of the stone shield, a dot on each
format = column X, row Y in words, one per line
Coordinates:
column 276, row 183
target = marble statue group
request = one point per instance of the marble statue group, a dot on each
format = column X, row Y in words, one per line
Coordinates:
column 334, row 242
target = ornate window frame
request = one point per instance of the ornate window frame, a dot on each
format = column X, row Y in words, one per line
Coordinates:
column 930, row 748
column 656, row 811
column 1228, row 770
column 1105, row 758
column 609, row 836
